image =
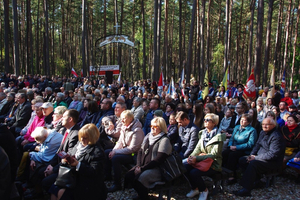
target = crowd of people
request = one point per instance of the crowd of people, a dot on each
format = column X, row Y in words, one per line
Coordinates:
column 94, row 128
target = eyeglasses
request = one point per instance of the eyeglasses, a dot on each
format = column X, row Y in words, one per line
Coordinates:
column 266, row 124
column 207, row 120
column 154, row 126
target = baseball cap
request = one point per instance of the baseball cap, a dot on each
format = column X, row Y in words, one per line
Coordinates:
column 47, row 105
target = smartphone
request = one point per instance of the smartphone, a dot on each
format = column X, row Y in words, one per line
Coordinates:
column 62, row 154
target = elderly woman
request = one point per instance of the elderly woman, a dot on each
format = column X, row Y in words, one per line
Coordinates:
column 93, row 114
column 155, row 149
column 84, row 111
column 87, row 158
column 291, row 135
column 57, row 118
column 60, row 100
column 76, row 103
column 209, row 146
column 240, row 144
column 130, row 141
column 137, row 108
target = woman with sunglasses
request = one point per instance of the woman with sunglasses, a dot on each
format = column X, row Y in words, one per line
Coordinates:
column 209, row 145
column 155, row 149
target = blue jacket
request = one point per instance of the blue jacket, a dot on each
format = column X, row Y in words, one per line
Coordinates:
column 104, row 113
column 48, row 148
column 147, row 123
column 244, row 139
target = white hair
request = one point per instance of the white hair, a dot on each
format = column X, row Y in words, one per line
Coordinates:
column 39, row 132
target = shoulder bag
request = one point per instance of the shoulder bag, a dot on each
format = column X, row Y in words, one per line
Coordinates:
column 66, row 177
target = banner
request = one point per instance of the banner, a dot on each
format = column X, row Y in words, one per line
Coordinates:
column 250, row 90
column 205, row 89
column 271, row 91
column 103, row 68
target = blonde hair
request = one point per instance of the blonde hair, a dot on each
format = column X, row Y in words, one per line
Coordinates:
column 161, row 123
column 60, row 110
column 214, row 118
column 91, row 132
column 128, row 114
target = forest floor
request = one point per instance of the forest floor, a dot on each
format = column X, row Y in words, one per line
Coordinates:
column 284, row 188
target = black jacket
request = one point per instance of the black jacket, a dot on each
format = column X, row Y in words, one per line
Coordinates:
column 269, row 147
column 21, row 116
column 90, row 178
column 68, row 145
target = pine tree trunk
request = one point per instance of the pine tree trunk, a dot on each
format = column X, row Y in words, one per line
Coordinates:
column 190, row 47
column 277, row 40
column 287, row 35
column 294, row 47
column 144, row 39
column 16, row 38
column 268, row 41
column 260, row 21
column 250, row 45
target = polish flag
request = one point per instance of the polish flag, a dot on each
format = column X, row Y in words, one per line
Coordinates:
column 74, row 73
column 250, row 90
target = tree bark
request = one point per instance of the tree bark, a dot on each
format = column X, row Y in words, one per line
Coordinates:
column 83, row 38
column 250, row 45
column 16, row 38
column 46, row 64
column 294, row 47
column 202, row 67
column 208, row 38
column 6, row 35
column 268, row 41
column 287, row 35
column 190, row 47
column 165, row 60
column 260, row 21
column 144, row 39
column 277, row 40
column 226, row 35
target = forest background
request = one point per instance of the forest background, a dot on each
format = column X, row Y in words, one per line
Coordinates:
column 51, row 37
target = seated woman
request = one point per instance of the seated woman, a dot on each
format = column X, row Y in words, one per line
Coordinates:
column 240, row 144
column 130, row 141
column 93, row 114
column 76, row 103
column 291, row 135
column 27, row 142
column 209, row 146
column 57, row 118
column 155, row 149
column 88, row 160
column 84, row 111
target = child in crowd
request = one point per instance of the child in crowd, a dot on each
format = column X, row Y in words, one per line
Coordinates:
column 173, row 129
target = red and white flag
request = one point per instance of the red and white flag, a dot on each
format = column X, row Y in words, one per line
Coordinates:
column 250, row 90
column 74, row 73
column 81, row 73
column 161, row 82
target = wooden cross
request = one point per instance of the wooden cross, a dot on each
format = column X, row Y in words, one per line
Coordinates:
column 117, row 26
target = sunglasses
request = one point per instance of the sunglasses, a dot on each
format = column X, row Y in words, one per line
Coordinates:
column 207, row 120
column 153, row 126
